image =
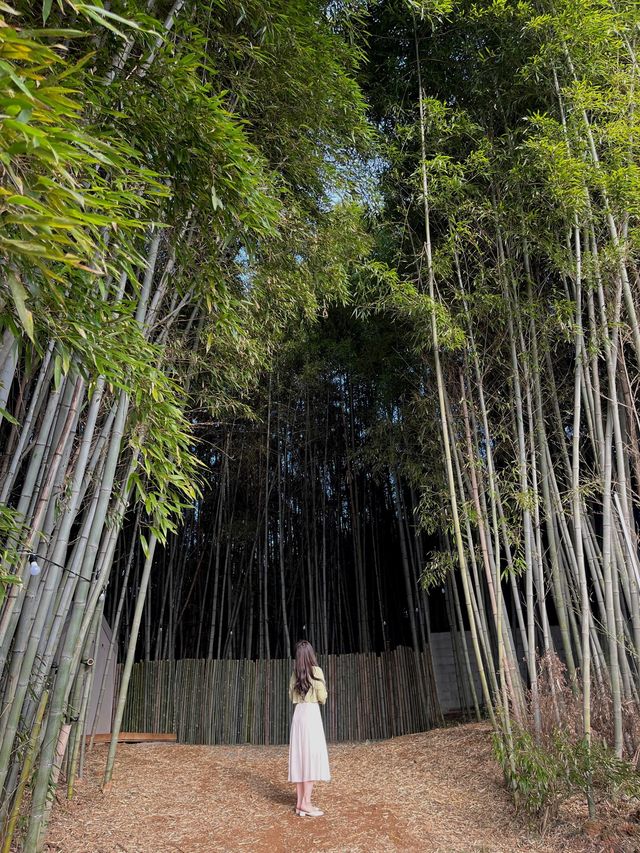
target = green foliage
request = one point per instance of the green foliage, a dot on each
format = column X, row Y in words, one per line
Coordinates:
column 239, row 145
column 542, row 776
column 439, row 565
column 530, row 119
column 53, row 219
column 10, row 555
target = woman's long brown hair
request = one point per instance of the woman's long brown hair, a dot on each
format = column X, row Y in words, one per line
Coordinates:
column 303, row 667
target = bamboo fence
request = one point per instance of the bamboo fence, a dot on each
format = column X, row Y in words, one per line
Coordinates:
column 371, row 697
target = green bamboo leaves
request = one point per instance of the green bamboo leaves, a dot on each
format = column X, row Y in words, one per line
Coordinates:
column 50, row 218
column 20, row 297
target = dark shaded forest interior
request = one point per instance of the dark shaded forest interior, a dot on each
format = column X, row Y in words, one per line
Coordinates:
column 310, row 522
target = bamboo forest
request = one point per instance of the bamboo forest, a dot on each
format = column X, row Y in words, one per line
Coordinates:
column 319, row 321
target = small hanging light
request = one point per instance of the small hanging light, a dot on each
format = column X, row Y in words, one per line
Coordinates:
column 34, row 568
column 101, row 596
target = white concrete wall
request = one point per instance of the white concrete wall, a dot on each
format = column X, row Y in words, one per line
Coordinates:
column 106, row 710
column 444, row 666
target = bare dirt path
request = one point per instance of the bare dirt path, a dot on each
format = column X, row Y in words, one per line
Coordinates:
column 440, row 791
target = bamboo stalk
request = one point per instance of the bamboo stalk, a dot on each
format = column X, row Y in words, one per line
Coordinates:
column 128, row 664
column 25, row 773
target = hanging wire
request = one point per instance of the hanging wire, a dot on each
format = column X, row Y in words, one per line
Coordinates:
column 35, row 569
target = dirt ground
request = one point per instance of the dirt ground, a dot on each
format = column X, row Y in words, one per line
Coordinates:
column 441, row 791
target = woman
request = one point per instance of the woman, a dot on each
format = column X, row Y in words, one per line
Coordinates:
column 308, row 758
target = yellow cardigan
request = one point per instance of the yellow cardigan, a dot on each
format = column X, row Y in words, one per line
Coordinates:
column 316, row 693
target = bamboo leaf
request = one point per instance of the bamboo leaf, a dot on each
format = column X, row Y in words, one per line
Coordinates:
column 216, row 204
column 57, row 372
column 8, row 417
column 145, row 545
column 105, row 17
column 19, row 81
column 20, row 296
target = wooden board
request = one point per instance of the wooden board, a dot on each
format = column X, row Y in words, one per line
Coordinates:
column 137, row 737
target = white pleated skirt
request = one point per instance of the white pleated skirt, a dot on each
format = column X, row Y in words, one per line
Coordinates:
column 308, row 756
